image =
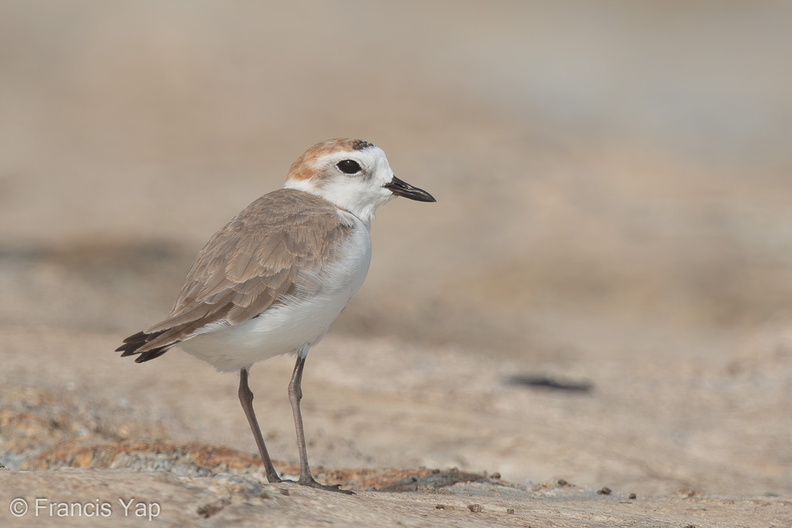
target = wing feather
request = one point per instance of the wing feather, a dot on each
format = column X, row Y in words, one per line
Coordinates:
column 248, row 266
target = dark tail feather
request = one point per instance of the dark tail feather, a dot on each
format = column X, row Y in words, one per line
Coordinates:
column 134, row 342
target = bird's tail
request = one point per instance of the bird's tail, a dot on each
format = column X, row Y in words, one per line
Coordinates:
column 134, row 343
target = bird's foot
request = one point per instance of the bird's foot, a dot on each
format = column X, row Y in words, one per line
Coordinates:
column 274, row 479
column 311, row 483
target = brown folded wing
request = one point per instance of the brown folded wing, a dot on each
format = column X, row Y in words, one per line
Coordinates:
column 248, row 266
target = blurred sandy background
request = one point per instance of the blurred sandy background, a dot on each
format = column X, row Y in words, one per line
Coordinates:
column 614, row 185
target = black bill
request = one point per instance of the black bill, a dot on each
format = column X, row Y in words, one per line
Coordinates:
column 402, row 188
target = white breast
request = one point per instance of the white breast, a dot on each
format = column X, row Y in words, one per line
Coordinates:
column 296, row 324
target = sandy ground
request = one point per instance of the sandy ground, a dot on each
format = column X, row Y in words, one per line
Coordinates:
column 673, row 436
column 600, row 299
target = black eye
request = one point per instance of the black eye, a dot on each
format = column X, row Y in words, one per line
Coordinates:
column 348, row 166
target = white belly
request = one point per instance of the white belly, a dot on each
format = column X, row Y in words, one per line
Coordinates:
column 293, row 326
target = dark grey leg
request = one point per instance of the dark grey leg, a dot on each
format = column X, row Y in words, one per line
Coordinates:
column 295, row 395
column 246, row 399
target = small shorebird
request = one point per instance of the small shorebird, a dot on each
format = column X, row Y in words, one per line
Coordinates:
column 276, row 276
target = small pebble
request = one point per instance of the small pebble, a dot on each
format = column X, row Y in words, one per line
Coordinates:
column 509, row 510
column 475, row 508
column 604, row 491
column 440, row 507
column 632, row 496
